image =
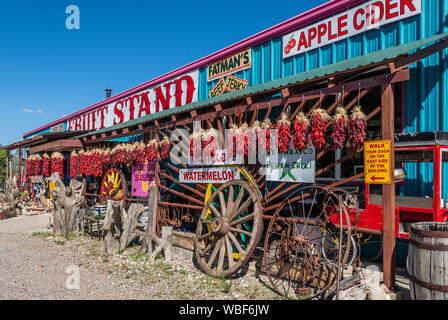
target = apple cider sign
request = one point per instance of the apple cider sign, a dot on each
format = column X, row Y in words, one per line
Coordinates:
column 370, row 15
column 171, row 94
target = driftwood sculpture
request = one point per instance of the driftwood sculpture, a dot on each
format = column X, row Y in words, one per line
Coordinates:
column 68, row 217
column 120, row 227
column 47, row 203
column 12, row 195
column 151, row 238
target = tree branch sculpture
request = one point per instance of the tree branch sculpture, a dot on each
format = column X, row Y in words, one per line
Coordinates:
column 120, row 227
column 68, row 218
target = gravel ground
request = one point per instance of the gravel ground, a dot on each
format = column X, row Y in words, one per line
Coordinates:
column 33, row 266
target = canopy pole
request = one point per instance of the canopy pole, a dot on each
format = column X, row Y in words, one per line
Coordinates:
column 388, row 133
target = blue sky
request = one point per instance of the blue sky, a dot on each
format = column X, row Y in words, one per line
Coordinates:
column 48, row 71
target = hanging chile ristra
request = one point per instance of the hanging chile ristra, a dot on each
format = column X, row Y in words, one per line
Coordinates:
column 30, row 166
column 82, row 159
column 301, row 126
column 319, row 120
column 142, row 152
column 235, row 132
column 105, row 157
column 210, row 143
column 73, row 165
column 256, row 128
column 266, row 139
column 242, row 145
column 97, row 164
column 196, row 148
column 165, row 148
column 57, row 164
column 340, row 128
column 284, row 133
column 46, row 163
column 152, row 150
column 357, row 128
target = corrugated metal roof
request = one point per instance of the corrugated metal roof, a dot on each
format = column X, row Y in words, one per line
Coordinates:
column 361, row 61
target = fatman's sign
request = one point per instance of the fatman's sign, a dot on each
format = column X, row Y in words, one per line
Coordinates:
column 365, row 17
column 237, row 62
column 174, row 93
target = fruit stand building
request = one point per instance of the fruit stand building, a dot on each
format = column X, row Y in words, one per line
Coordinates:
column 387, row 56
column 329, row 34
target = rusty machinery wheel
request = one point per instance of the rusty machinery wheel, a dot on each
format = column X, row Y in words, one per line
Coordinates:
column 228, row 229
column 293, row 258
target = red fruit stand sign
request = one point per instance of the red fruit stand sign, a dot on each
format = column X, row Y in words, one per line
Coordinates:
column 377, row 162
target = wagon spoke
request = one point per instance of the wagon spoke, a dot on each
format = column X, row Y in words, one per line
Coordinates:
column 206, row 221
column 222, row 252
column 229, row 208
column 242, row 208
column 215, row 211
column 235, row 242
column 202, row 237
column 243, row 220
column 214, row 253
column 229, row 251
column 222, row 202
column 247, row 233
column 237, row 201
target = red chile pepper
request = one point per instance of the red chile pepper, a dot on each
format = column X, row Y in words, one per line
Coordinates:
column 319, row 120
column 340, row 127
column 301, row 126
column 357, row 129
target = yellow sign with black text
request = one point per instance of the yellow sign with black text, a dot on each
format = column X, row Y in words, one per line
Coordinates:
column 377, row 162
column 234, row 83
column 237, row 62
column 218, row 89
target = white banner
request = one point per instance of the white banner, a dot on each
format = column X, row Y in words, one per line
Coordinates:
column 294, row 166
column 209, row 175
column 175, row 93
column 370, row 15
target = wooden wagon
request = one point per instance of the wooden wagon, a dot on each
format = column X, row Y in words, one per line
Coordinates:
column 307, row 237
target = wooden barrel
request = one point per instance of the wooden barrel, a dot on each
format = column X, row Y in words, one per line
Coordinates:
column 427, row 261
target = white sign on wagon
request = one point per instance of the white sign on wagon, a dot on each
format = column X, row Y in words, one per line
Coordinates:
column 209, row 175
column 294, row 166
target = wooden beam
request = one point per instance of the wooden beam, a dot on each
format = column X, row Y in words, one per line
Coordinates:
column 421, row 54
column 388, row 133
column 400, row 76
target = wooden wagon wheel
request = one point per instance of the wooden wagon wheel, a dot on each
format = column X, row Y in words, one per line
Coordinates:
column 228, row 229
column 293, row 259
column 113, row 185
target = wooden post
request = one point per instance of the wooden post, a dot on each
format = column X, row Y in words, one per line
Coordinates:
column 8, row 165
column 388, row 130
